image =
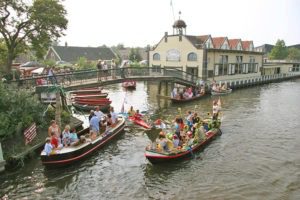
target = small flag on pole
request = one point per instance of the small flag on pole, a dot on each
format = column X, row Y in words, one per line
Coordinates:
column 30, row 133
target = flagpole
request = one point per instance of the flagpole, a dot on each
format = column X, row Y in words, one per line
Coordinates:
column 171, row 3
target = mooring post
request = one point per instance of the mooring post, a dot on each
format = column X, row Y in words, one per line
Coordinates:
column 2, row 161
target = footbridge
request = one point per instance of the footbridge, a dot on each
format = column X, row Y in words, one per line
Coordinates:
column 91, row 78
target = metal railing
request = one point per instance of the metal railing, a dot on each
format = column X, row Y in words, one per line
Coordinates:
column 81, row 77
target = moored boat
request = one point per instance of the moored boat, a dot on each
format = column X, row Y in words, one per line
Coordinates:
column 155, row 156
column 94, row 102
column 90, row 96
column 87, row 90
column 221, row 92
column 87, row 107
column 69, row 155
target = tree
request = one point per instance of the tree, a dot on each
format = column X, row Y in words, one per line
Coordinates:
column 134, row 55
column 293, row 54
column 279, row 51
column 35, row 24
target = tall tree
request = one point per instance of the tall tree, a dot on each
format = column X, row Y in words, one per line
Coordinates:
column 279, row 51
column 134, row 54
column 35, row 24
column 293, row 54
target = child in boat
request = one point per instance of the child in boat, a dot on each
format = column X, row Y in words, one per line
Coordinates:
column 73, row 137
column 114, row 116
column 55, row 142
column 109, row 121
column 48, row 147
column 66, row 136
column 175, row 141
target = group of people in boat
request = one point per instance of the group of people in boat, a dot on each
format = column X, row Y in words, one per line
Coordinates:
column 219, row 88
column 58, row 139
column 187, row 131
column 188, row 92
column 136, row 114
column 99, row 123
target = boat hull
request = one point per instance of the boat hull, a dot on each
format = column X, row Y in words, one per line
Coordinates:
column 141, row 123
column 221, row 93
column 68, row 158
column 155, row 157
column 87, row 108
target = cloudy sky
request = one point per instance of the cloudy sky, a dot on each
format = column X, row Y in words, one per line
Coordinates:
column 141, row 22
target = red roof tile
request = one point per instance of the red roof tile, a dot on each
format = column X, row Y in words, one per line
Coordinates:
column 233, row 43
column 218, row 41
column 246, row 44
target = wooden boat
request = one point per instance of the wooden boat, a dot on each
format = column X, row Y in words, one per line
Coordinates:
column 69, row 155
column 88, row 108
column 222, row 92
column 129, row 84
column 91, row 101
column 155, row 156
column 87, row 90
column 104, row 103
column 140, row 122
column 90, row 96
column 175, row 100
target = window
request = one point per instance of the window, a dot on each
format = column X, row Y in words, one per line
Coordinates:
column 192, row 57
column 156, row 56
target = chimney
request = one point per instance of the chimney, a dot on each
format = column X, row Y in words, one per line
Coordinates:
column 166, row 36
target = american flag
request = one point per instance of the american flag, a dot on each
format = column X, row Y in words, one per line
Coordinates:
column 30, row 133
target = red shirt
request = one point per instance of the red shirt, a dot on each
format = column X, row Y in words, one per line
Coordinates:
column 54, row 142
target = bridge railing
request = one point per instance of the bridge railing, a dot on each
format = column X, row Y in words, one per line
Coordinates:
column 94, row 75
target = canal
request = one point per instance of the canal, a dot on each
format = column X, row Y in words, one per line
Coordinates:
column 257, row 157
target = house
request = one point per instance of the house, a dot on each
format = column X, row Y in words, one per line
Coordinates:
column 208, row 57
column 71, row 54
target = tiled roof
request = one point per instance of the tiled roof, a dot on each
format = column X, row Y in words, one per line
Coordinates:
column 218, row 41
column 246, row 44
column 197, row 40
column 233, row 43
column 71, row 54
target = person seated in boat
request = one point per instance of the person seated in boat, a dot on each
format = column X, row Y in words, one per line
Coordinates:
column 93, row 135
column 162, row 141
column 223, row 87
column 131, row 111
column 159, row 124
column 202, row 90
column 196, row 119
column 48, row 146
column 109, row 121
column 114, row 116
column 214, row 87
column 175, row 141
column 55, row 142
column 82, row 139
column 137, row 115
column 189, row 139
column 95, row 124
column 66, row 136
column 73, row 137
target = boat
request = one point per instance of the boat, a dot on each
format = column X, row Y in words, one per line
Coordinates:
column 175, row 100
column 129, row 84
column 221, row 92
column 139, row 122
column 87, row 90
column 90, row 96
column 93, row 101
column 72, row 154
column 88, row 108
column 155, row 156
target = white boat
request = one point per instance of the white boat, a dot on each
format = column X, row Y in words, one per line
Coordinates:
column 221, row 92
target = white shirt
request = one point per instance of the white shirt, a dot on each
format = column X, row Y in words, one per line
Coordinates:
column 99, row 114
column 114, row 117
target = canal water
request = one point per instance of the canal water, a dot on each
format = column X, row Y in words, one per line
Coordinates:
column 257, row 157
